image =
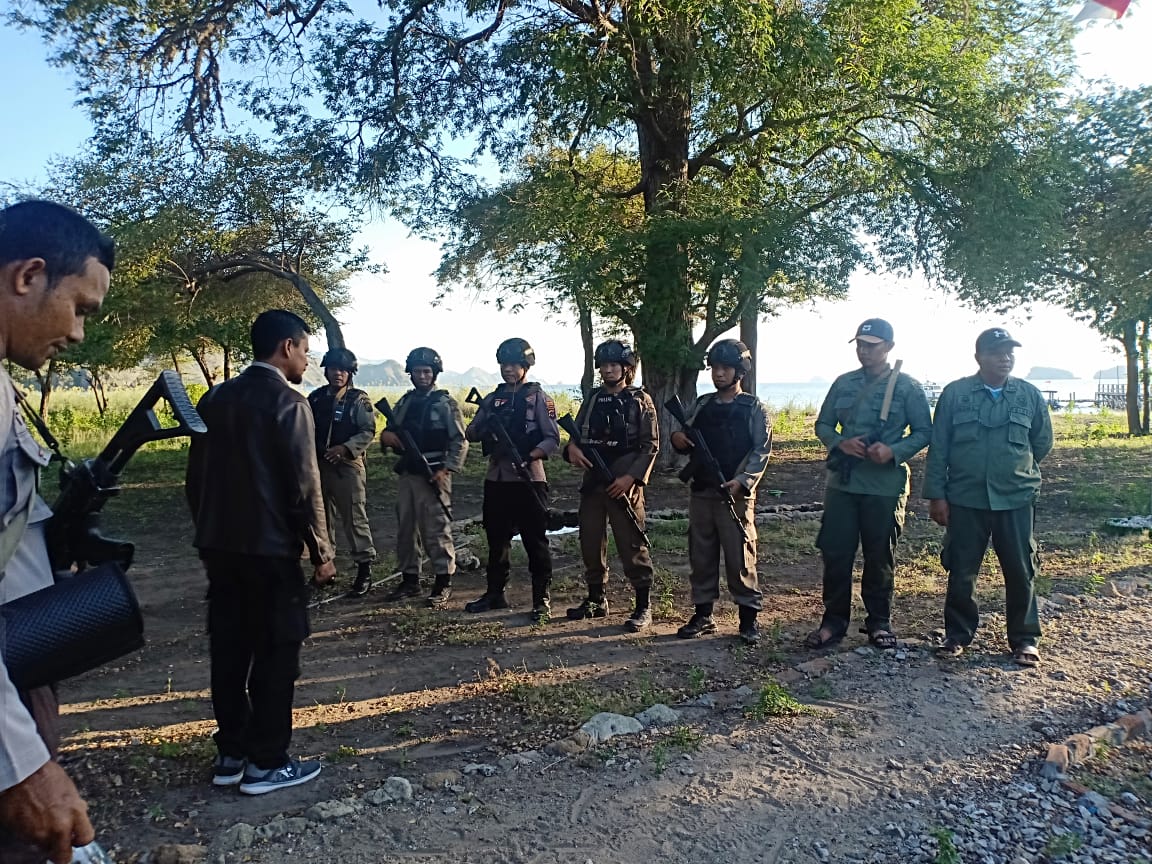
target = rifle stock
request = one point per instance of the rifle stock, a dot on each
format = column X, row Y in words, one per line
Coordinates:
column 599, row 466
column 413, row 453
column 72, row 534
column 701, row 451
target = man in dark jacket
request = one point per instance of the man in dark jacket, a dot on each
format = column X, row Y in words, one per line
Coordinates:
column 253, row 485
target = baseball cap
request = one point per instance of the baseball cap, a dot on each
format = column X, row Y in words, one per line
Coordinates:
column 873, row 330
column 995, row 337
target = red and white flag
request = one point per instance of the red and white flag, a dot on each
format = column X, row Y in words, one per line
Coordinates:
column 1107, row 9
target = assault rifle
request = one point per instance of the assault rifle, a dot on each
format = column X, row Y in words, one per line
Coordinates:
column 840, row 461
column 702, row 455
column 73, row 535
column 412, row 452
column 507, row 447
column 600, row 467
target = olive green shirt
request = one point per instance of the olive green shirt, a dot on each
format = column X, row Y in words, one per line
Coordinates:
column 907, row 431
column 986, row 452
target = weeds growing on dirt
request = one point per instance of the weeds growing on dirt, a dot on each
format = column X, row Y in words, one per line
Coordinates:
column 1062, row 844
column 946, row 851
column 775, row 701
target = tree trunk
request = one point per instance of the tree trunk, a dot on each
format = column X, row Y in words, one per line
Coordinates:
column 96, row 384
column 750, row 336
column 1144, row 373
column 227, row 362
column 1132, row 367
column 176, row 363
column 661, row 388
column 198, row 355
column 45, row 382
column 587, row 376
column 332, row 331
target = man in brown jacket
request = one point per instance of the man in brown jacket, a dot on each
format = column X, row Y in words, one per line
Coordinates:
column 254, row 488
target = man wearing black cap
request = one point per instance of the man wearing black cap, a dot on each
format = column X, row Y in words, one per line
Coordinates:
column 982, row 479
column 873, row 420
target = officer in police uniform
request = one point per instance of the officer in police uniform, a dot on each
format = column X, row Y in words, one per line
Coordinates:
column 436, row 425
column 982, row 480
column 737, row 429
column 866, row 483
column 345, row 426
column 510, row 504
column 619, row 421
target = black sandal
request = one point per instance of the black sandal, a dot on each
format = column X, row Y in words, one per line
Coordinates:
column 815, row 641
column 1027, row 656
column 882, row 639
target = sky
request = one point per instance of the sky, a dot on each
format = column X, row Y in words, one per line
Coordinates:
column 392, row 312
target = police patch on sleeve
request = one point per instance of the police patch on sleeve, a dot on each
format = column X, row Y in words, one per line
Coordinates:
column 551, row 406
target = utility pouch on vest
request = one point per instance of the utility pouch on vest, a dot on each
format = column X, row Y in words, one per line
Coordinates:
column 70, row 627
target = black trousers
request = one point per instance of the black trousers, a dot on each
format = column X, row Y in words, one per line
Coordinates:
column 257, row 620
column 874, row 522
column 511, row 507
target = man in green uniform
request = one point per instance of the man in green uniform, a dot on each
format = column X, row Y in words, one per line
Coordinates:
column 866, row 485
column 737, row 431
column 982, row 481
column 618, row 420
column 436, row 425
column 345, row 426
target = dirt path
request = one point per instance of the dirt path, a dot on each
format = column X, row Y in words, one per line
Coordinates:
column 404, row 692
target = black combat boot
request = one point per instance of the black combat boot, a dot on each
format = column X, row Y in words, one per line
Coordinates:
column 641, row 616
column 749, row 630
column 541, row 603
column 363, row 581
column 492, row 598
column 441, row 591
column 408, row 587
column 595, row 605
column 700, row 623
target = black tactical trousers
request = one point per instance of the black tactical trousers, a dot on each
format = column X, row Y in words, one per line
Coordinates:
column 257, row 620
column 511, row 507
column 965, row 543
column 851, row 521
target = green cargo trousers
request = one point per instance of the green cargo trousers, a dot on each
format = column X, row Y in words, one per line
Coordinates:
column 965, row 543
column 711, row 532
column 851, row 521
column 597, row 511
column 345, row 504
column 421, row 523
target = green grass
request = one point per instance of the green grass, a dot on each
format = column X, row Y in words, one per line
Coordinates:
column 775, row 701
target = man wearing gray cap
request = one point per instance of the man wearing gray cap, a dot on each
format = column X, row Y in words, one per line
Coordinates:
column 873, row 420
column 982, row 479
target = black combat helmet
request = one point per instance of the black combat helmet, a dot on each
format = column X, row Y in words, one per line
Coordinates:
column 730, row 352
column 615, row 351
column 340, row 358
column 516, row 351
column 424, row 357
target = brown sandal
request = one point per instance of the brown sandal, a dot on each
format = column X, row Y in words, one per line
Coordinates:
column 815, row 640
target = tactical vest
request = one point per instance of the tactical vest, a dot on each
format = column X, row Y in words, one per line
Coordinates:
column 612, row 424
column 512, row 411
column 334, row 422
column 429, row 437
column 725, row 428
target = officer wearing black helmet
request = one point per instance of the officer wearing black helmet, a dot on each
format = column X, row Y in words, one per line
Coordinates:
column 345, row 426
column 436, row 425
column 510, row 504
column 737, row 430
column 619, row 421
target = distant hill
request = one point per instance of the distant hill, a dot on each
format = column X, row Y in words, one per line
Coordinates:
column 1047, row 373
column 1116, row 373
column 474, row 377
column 390, row 373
